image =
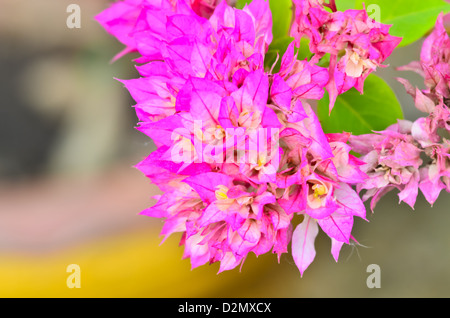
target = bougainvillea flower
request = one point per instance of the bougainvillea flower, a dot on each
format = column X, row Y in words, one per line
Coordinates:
column 204, row 8
column 247, row 221
column 434, row 63
column 297, row 80
column 240, row 150
column 364, row 44
column 119, row 20
column 392, row 161
column 435, row 176
column 325, row 202
column 429, row 132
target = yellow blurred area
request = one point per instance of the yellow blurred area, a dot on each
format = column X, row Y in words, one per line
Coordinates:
column 127, row 265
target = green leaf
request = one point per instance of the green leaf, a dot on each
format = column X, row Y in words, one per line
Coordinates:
column 304, row 52
column 376, row 109
column 281, row 16
column 410, row 19
column 282, row 11
column 240, row 4
column 343, row 5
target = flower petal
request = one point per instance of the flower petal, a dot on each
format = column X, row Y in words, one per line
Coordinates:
column 303, row 238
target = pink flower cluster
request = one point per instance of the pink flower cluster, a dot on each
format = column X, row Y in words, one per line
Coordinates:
column 356, row 44
column 415, row 155
column 240, row 150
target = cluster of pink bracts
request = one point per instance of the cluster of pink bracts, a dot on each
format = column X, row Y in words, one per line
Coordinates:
column 240, row 151
column 414, row 155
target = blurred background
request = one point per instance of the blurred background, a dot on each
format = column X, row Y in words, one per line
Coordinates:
column 69, row 193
